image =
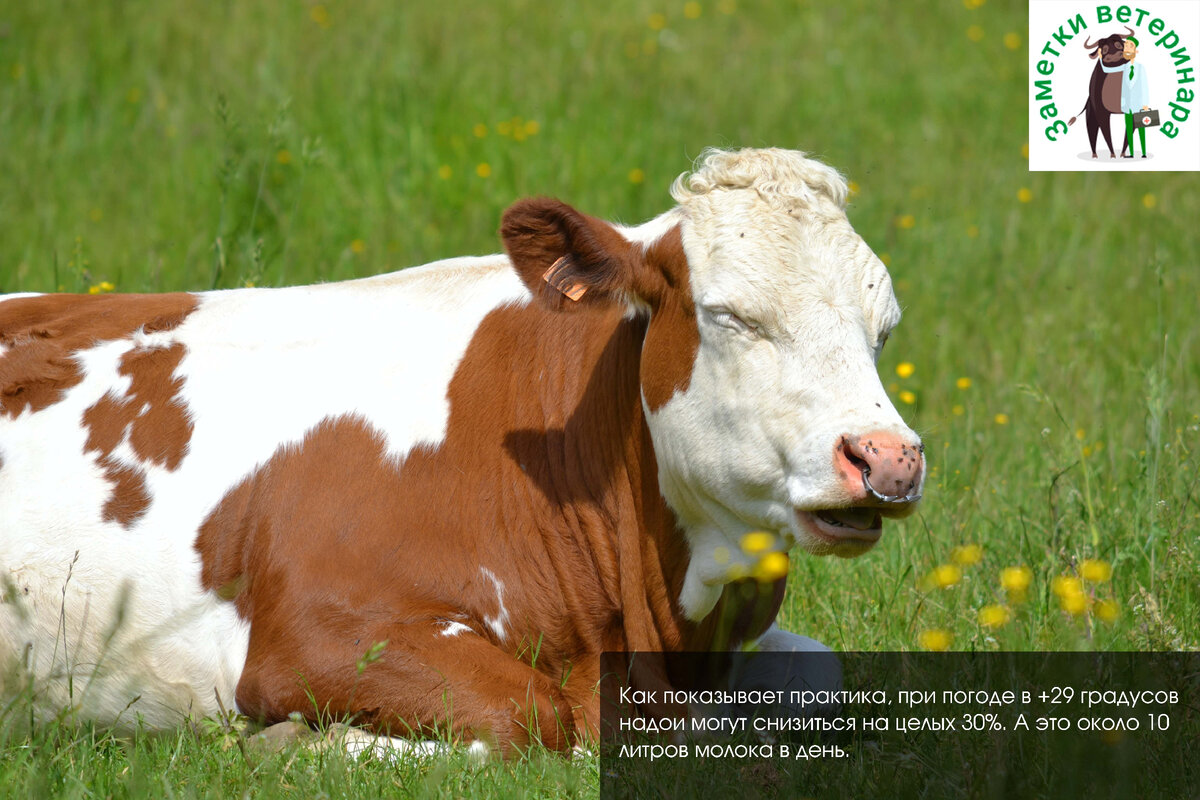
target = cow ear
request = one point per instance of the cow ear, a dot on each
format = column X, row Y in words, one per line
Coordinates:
column 568, row 259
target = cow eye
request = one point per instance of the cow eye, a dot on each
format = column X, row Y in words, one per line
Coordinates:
column 727, row 319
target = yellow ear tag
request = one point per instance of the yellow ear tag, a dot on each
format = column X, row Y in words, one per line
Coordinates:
column 558, row 277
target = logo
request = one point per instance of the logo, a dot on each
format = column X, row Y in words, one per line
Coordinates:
column 1112, row 87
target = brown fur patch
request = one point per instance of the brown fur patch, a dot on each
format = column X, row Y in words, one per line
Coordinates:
column 129, row 499
column 673, row 338
column 151, row 412
column 42, row 334
column 151, row 415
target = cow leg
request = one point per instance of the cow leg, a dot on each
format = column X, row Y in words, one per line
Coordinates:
column 423, row 684
column 793, row 663
column 784, row 662
column 1093, row 126
column 811, row 665
column 286, row 737
column 1107, row 130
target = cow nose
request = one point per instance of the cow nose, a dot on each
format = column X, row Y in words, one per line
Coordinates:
column 882, row 467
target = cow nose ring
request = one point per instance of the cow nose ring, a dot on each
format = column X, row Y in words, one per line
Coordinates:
column 886, row 498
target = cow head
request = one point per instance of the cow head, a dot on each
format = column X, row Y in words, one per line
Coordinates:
column 759, row 382
column 1110, row 49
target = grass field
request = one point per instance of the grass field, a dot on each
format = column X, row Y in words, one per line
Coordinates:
column 1049, row 356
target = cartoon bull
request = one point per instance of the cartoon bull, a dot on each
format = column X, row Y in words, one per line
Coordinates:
column 1104, row 89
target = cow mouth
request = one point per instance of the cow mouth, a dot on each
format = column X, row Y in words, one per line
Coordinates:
column 843, row 524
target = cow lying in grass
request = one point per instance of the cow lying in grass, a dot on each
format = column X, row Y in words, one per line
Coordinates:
column 427, row 501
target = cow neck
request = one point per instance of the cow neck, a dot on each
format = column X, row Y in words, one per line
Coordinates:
column 566, row 387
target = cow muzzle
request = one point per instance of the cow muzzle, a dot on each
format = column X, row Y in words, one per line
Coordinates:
column 881, row 476
column 881, row 469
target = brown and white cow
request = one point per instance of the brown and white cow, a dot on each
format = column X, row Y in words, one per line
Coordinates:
column 499, row 466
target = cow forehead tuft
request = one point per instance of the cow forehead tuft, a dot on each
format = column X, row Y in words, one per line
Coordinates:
column 774, row 174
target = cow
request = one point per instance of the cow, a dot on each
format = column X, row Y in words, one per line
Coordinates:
column 426, row 502
column 1104, row 89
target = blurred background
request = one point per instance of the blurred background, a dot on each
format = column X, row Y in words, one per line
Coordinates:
column 1049, row 349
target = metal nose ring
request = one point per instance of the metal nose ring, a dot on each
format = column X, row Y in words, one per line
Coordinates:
column 886, row 498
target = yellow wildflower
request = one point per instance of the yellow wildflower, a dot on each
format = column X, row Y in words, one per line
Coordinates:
column 1065, row 585
column 657, row 21
column 358, row 247
column 757, row 542
column 1071, row 597
column 1025, row 195
column 995, row 616
column 483, row 170
column 1074, row 604
column 692, row 10
column 975, row 33
column 637, row 175
column 283, row 157
column 1001, row 419
column 1149, row 200
column 935, row 639
column 945, row 575
column 963, row 383
column 1106, row 610
column 771, row 567
column 445, row 172
column 906, row 221
column 1015, row 580
column 907, row 397
column 1012, row 40
column 905, row 369
column 1095, row 570
column 967, row 554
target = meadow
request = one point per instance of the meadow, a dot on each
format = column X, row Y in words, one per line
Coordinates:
column 1049, row 353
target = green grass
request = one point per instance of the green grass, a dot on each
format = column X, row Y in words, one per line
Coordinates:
column 172, row 145
column 70, row 762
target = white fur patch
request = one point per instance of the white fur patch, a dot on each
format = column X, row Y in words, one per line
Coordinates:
column 498, row 621
column 358, row 742
column 451, row 628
